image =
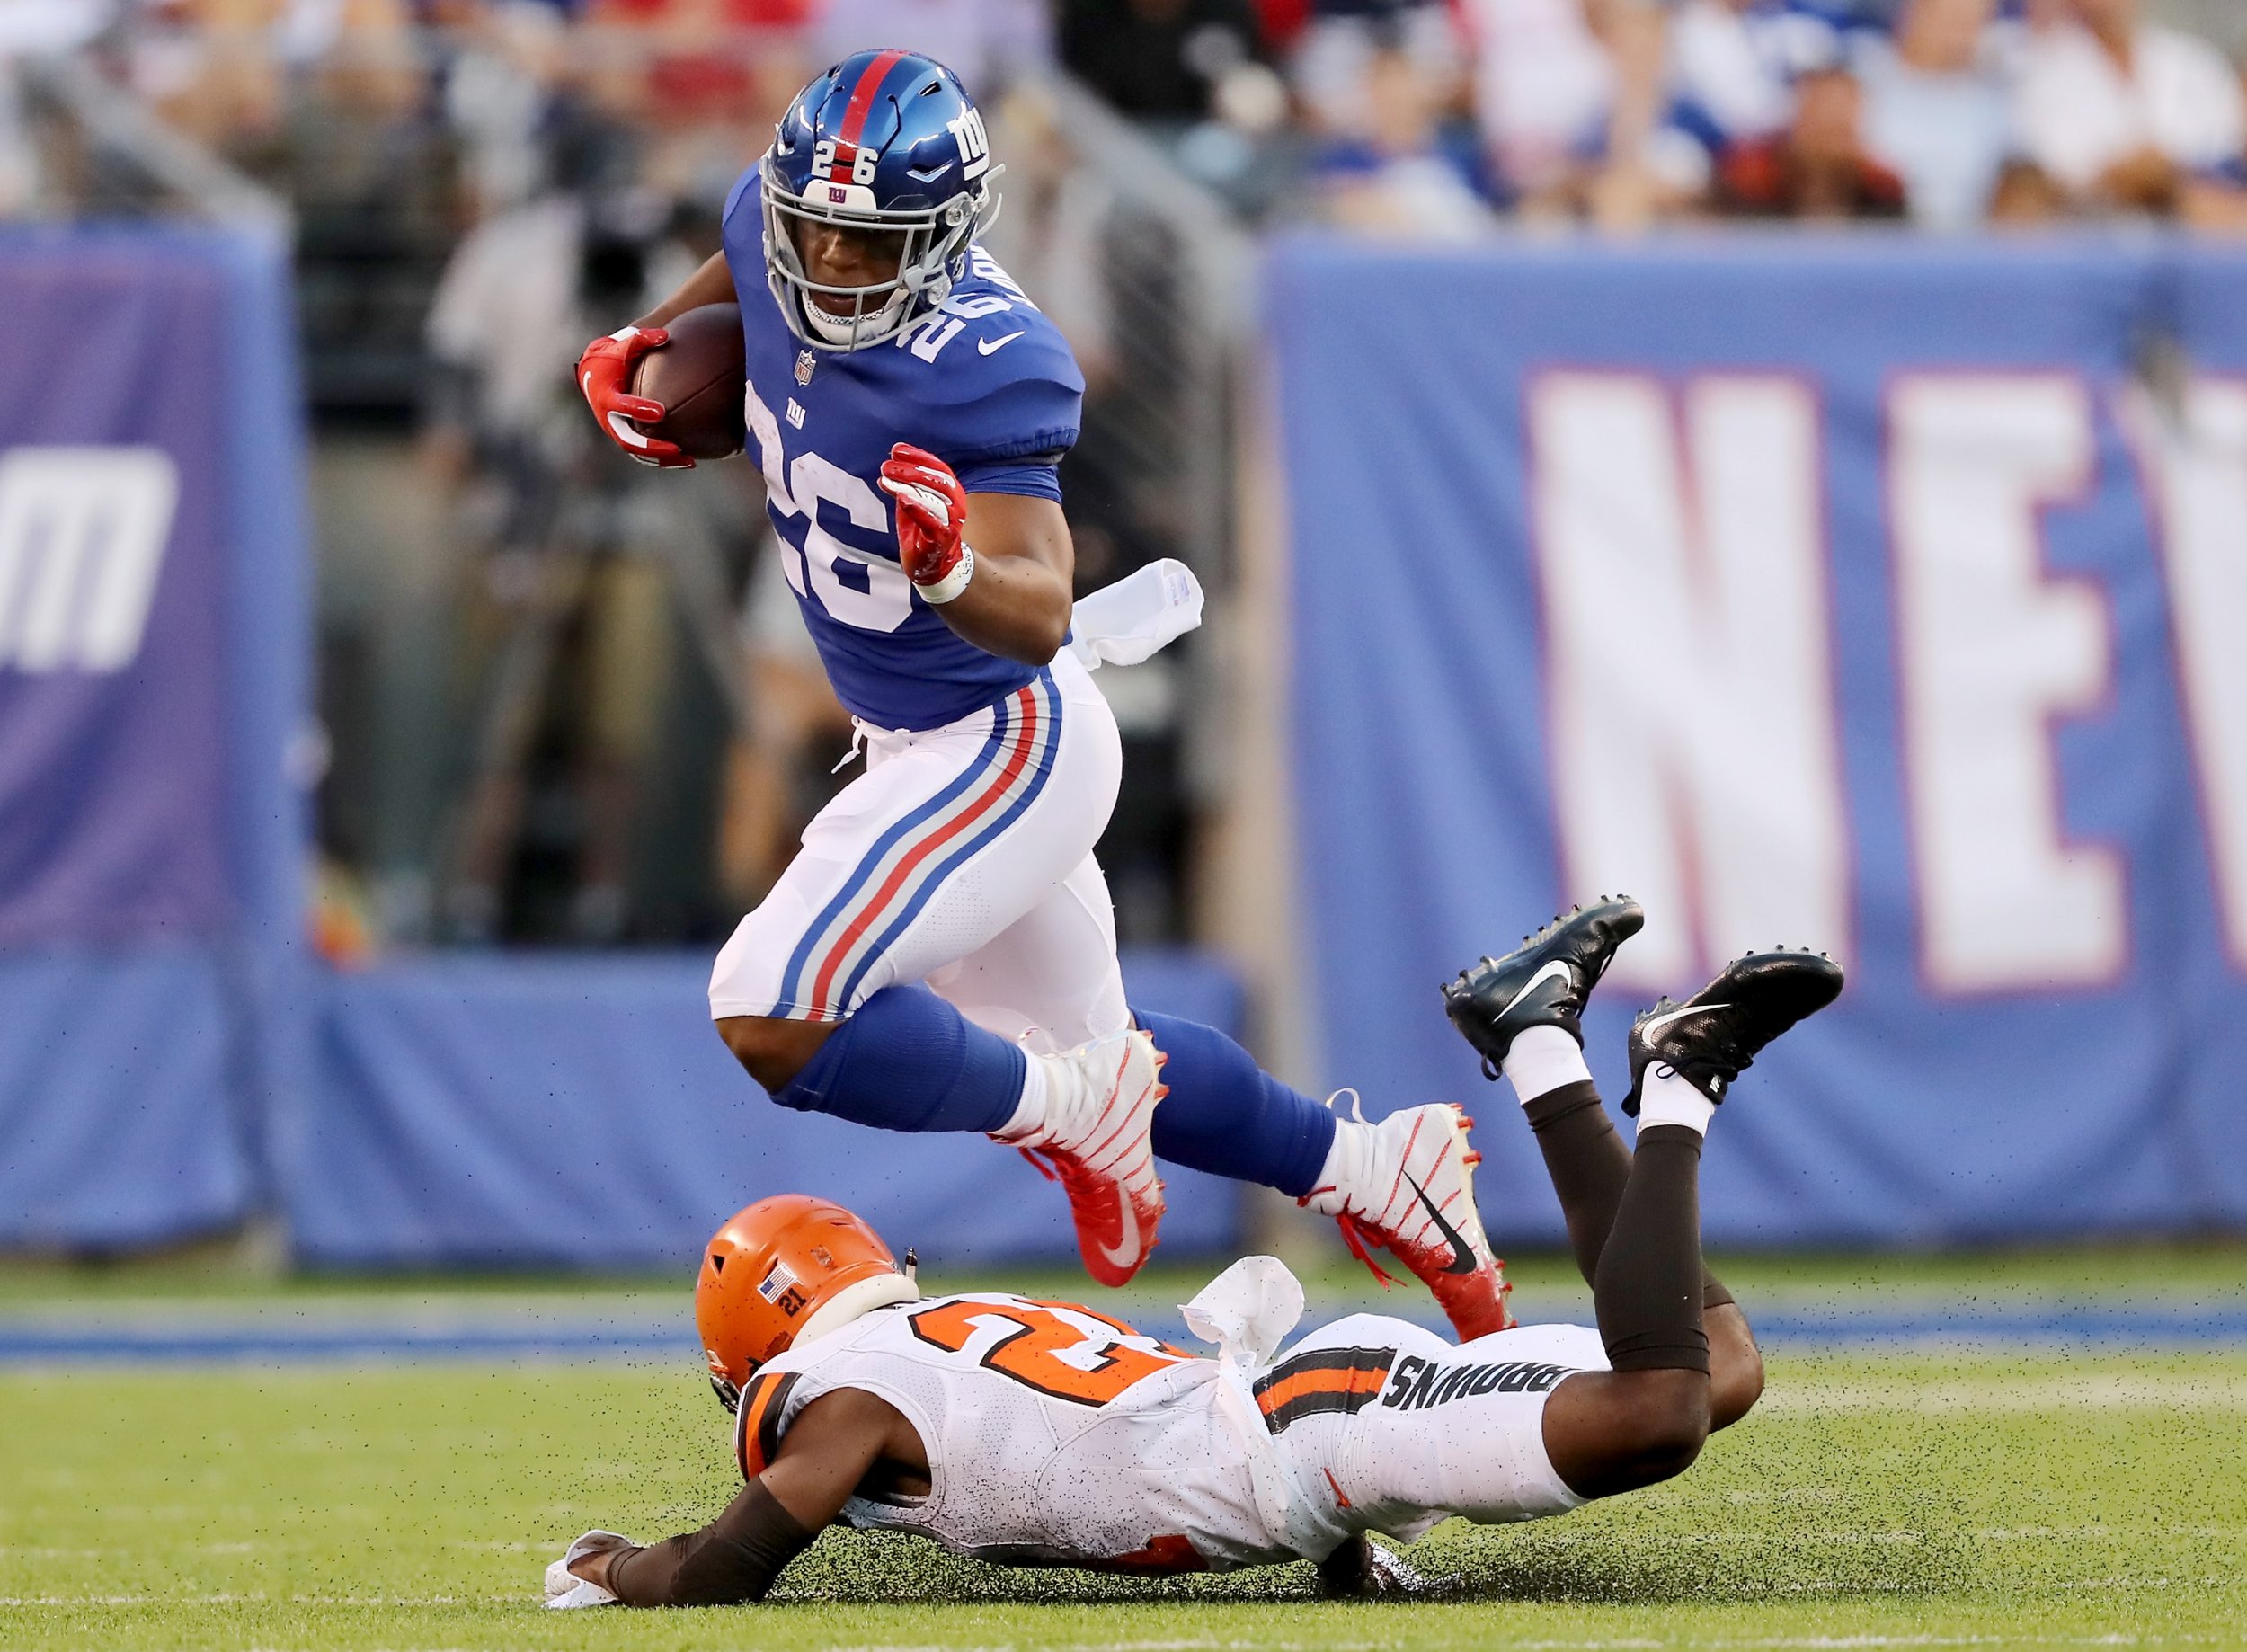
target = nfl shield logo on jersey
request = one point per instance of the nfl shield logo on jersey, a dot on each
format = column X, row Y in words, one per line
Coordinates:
column 805, row 363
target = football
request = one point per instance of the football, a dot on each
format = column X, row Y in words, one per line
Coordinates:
column 700, row 378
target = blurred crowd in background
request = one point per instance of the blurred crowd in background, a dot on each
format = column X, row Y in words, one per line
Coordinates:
column 567, row 702
column 1418, row 116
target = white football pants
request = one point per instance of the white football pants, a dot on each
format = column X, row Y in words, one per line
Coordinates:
column 962, row 857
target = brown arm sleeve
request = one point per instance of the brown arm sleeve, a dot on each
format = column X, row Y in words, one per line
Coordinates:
column 733, row 1560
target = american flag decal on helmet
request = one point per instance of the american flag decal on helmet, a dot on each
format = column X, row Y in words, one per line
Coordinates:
column 776, row 1283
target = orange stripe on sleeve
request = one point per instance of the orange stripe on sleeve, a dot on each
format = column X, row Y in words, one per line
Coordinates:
column 750, row 1443
column 1305, row 1382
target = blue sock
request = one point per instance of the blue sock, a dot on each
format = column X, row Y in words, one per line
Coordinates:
column 1227, row 1116
column 909, row 1060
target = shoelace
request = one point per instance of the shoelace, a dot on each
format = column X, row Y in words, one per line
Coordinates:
column 1723, row 1057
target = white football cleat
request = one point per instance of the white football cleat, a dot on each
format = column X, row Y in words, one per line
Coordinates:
column 1406, row 1184
column 1095, row 1141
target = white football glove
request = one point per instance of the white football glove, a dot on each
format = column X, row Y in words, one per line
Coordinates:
column 1361, row 1569
column 566, row 1589
column 1390, row 1574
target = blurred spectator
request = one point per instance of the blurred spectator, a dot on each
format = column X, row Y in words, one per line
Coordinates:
column 1391, row 178
column 1157, row 59
column 1818, row 167
column 19, row 153
column 210, row 67
column 505, row 321
column 499, row 96
column 1937, row 108
column 1333, row 69
column 1051, row 236
column 1732, row 66
column 989, row 44
column 2123, row 115
column 1569, row 95
column 777, row 771
column 1543, row 85
column 33, row 27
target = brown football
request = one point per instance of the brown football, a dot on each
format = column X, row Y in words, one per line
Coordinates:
column 700, row 379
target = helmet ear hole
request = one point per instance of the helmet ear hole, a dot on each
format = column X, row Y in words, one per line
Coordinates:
column 718, row 1261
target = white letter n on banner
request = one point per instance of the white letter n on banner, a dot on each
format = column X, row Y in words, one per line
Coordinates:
column 1681, row 544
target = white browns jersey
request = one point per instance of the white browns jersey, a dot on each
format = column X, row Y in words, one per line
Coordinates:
column 1058, row 1435
column 1054, row 1434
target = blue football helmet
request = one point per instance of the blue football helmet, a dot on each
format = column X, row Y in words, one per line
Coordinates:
column 885, row 141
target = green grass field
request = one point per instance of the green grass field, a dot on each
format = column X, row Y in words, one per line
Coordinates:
column 1906, row 1497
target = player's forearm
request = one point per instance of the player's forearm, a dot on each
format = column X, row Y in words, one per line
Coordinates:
column 711, row 284
column 733, row 1560
column 1015, row 608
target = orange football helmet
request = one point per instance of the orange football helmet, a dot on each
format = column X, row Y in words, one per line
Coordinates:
column 782, row 1267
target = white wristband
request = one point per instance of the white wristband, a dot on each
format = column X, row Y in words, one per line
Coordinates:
column 953, row 584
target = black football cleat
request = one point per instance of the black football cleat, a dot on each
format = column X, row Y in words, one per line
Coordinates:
column 1711, row 1037
column 1543, row 982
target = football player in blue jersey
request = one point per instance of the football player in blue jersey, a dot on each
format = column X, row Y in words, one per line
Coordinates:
column 941, row 955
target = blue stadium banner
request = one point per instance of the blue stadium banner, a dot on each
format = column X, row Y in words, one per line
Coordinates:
column 153, row 639
column 1878, row 596
column 112, row 593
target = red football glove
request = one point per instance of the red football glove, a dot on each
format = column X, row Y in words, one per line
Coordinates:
column 931, row 516
column 603, row 372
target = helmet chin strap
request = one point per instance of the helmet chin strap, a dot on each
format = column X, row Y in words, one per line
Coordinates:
column 871, row 327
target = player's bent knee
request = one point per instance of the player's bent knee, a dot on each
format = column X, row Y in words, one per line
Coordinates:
column 1669, row 1422
column 772, row 1050
column 1612, row 1432
column 1734, row 1388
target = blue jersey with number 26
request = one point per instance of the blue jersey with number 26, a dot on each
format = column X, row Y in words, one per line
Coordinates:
column 986, row 383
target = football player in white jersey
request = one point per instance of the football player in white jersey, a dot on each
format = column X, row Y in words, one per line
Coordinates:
column 941, row 955
column 1040, row 1432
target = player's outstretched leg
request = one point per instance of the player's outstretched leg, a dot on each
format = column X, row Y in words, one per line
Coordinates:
column 907, row 1059
column 1644, row 1420
column 1522, row 1013
column 1404, row 1184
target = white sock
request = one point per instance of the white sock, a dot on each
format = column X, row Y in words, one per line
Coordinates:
column 1543, row 1059
column 1029, row 1112
column 1673, row 1100
column 1348, row 1166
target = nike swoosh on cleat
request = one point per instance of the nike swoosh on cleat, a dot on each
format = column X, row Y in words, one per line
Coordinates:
column 1647, row 1030
column 1462, row 1257
column 990, row 346
column 1123, row 1255
column 1554, row 968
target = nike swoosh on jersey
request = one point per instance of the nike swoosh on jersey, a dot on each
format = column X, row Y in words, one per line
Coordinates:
column 990, row 346
column 1648, row 1031
column 1556, row 967
column 1462, row 1257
